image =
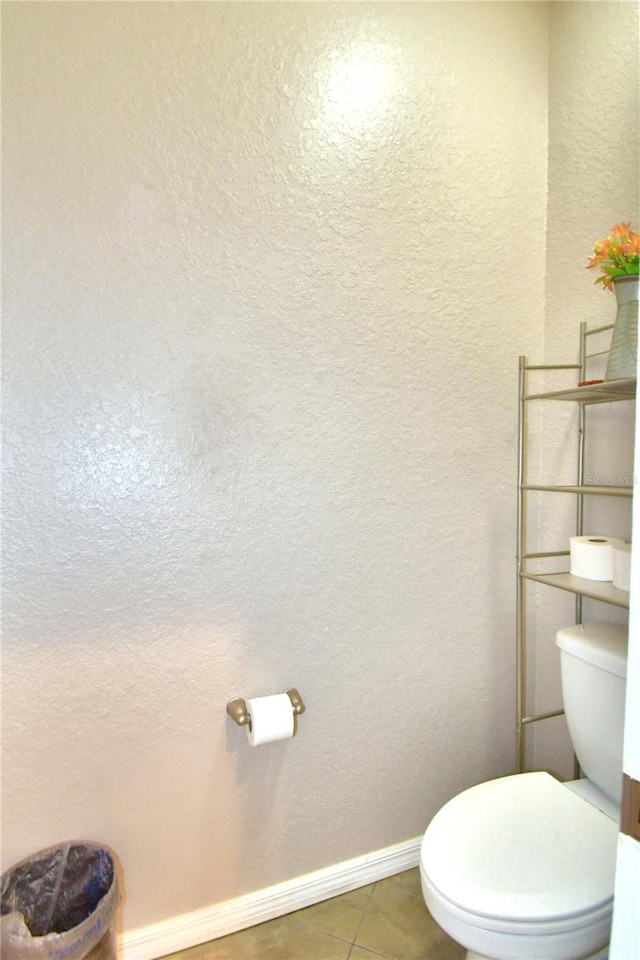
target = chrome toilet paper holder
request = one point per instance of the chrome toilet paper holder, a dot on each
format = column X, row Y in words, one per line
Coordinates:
column 237, row 709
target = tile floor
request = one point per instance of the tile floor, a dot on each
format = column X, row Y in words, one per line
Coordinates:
column 386, row 920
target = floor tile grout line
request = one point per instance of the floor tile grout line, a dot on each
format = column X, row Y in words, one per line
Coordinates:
column 364, row 910
column 374, row 953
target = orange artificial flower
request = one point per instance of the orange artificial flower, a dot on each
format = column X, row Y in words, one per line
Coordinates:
column 617, row 255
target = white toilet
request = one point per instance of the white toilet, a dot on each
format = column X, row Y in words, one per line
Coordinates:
column 522, row 868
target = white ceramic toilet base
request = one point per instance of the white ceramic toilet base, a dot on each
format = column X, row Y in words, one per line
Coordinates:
column 600, row 955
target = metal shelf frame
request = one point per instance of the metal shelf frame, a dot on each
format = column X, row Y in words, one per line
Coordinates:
column 606, row 392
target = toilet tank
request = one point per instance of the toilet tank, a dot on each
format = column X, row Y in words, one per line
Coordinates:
column 593, row 665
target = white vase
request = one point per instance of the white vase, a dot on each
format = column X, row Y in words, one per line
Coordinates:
column 624, row 342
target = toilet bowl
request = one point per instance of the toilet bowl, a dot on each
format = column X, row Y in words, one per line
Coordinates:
column 522, row 868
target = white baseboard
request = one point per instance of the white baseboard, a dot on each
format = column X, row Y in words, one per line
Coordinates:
column 220, row 919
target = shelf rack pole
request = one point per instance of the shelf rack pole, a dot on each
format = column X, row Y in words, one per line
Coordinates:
column 582, row 427
column 521, row 550
column 581, row 452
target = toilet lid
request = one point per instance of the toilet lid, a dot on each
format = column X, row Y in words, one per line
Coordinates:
column 522, row 847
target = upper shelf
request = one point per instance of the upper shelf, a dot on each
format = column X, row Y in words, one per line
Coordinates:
column 605, row 392
column 583, row 489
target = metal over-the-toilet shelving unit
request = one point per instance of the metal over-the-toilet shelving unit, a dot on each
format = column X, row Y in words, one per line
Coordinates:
column 606, row 392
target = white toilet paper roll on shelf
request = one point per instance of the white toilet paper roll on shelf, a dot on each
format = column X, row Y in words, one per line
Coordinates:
column 271, row 719
column 592, row 556
column 622, row 566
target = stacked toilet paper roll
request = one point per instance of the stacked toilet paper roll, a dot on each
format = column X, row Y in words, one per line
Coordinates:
column 592, row 556
column 622, row 566
column 271, row 719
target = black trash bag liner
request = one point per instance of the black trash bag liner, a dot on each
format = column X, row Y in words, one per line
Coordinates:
column 58, row 903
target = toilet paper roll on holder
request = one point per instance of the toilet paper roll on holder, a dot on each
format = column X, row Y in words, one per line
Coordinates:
column 237, row 709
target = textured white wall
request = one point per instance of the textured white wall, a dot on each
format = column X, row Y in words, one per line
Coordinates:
column 268, row 269
column 593, row 184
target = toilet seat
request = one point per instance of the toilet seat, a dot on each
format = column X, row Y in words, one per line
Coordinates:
column 522, row 850
column 585, row 936
column 558, row 927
